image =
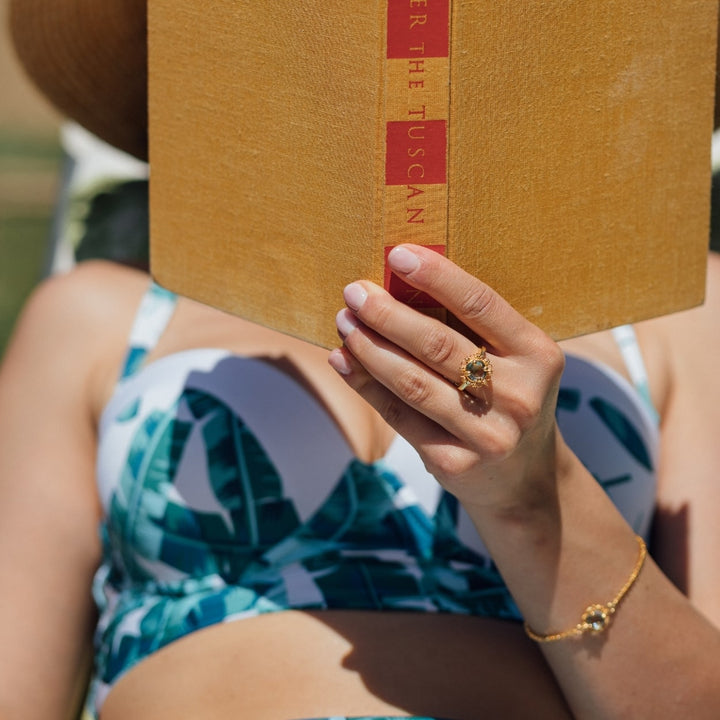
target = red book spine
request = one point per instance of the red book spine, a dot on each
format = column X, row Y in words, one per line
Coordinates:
column 416, row 116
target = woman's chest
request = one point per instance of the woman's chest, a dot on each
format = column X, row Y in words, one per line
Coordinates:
column 205, row 449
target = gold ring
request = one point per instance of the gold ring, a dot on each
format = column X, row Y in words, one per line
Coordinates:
column 476, row 370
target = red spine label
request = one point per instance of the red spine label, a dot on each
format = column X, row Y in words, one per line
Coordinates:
column 417, row 28
column 416, row 119
column 416, row 152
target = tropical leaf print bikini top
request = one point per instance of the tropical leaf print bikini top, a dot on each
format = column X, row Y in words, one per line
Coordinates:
column 229, row 491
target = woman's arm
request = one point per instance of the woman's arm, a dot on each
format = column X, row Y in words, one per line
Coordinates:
column 554, row 534
column 49, row 510
column 687, row 525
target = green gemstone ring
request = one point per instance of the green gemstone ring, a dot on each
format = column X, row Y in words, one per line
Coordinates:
column 475, row 371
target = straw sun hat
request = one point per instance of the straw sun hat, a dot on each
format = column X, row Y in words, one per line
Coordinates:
column 89, row 58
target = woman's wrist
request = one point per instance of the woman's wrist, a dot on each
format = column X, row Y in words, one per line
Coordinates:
column 562, row 553
column 527, row 501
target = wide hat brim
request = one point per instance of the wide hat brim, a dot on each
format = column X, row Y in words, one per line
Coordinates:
column 89, row 58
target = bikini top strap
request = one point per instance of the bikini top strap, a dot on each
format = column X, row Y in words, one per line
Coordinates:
column 627, row 342
column 156, row 308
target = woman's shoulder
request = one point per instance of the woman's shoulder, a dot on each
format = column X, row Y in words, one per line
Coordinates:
column 107, row 279
column 77, row 323
column 94, row 296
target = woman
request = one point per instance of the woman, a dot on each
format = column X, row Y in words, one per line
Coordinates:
column 271, row 542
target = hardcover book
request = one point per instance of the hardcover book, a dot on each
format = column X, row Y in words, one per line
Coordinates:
column 559, row 150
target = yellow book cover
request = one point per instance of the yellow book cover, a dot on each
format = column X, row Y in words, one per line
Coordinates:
column 557, row 149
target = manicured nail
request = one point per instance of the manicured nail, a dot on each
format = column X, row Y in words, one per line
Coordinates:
column 339, row 363
column 355, row 295
column 403, row 260
column 346, row 322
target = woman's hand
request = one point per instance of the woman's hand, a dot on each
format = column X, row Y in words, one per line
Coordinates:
column 495, row 447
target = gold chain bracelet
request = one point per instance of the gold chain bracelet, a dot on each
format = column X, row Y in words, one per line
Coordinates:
column 596, row 618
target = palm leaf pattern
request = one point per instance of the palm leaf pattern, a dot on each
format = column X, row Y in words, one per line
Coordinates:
column 623, row 430
column 614, row 438
column 171, row 568
column 174, row 563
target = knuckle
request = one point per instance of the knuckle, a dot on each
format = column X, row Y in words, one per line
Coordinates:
column 478, row 302
column 555, row 359
column 393, row 412
column 500, row 443
column 449, row 463
column 379, row 311
column 549, row 355
column 439, row 346
column 526, row 409
column 412, row 386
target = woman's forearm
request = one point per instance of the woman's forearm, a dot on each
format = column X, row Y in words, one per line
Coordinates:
column 659, row 657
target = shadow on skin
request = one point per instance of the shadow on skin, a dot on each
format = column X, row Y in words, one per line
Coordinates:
column 669, row 544
column 505, row 674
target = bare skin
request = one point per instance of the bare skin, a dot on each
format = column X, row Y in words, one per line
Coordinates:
column 49, row 549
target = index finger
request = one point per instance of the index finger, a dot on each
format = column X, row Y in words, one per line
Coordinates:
column 472, row 301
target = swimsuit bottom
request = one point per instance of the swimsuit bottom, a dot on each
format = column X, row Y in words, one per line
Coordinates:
column 375, row 717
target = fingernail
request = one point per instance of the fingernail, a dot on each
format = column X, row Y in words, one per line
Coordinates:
column 345, row 322
column 355, row 295
column 403, row 260
column 339, row 363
